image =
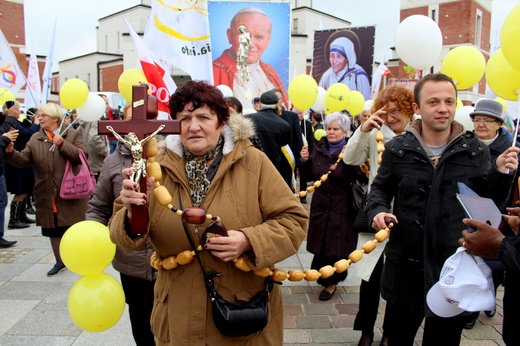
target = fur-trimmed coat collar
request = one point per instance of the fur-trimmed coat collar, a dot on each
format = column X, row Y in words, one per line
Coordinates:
column 237, row 128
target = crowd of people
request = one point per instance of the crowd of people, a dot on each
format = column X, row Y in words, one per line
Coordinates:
column 242, row 169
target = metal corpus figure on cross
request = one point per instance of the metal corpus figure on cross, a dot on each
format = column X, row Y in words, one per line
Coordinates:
column 140, row 129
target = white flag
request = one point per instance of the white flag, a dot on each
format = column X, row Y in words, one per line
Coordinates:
column 33, row 91
column 381, row 71
column 161, row 83
column 11, row 76
column 180, row 36
column 47, row 71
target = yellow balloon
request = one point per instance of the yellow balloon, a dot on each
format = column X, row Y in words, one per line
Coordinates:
column 303, row 91
column 502, row 78
column 129, row 78
column 459, row 104
column 502, row 102
column 96, row 302
column 86, row 248
column 357, row 102
column 509, row 36
column 337, row 97
column 73, row 93
column 6, row 95
column 319, row 133
column 465, row 65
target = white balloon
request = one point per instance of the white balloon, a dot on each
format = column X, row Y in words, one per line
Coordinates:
column 319, row 105
column 418, row 41
column 225, row 90
column 462, row 116
column 93, row 109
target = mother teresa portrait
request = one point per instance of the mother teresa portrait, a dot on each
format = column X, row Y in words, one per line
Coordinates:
column 344, row 69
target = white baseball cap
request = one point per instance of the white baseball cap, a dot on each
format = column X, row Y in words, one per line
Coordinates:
column 465, row 284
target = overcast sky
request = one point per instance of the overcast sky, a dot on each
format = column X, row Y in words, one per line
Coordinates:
column 77, row 21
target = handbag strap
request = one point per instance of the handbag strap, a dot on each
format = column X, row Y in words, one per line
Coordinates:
column 208, row 276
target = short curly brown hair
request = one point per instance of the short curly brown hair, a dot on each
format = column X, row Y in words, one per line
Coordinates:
column 395, row 93
column 199, row 93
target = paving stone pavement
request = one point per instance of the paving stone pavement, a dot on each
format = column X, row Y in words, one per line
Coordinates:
column 33, row 307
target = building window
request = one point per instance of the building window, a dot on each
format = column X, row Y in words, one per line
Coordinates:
column 433, row 11
column 295, row 25
column 100, row 80
column 478, row 28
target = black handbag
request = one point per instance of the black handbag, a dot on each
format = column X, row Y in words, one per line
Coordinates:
column 360, row 224
column 359, row 195
column 239, row 320
column 235, row 320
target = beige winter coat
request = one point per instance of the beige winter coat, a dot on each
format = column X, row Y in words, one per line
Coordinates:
column 49, row 167
column 249, row 195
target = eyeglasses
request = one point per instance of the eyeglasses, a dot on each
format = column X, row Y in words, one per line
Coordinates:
column 394, row 113
column 482, row 121
column 41, row 115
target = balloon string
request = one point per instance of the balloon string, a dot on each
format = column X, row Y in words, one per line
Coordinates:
column 514, row 139
column 61, row 134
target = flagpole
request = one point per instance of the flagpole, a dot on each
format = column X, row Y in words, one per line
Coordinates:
column 47, row 71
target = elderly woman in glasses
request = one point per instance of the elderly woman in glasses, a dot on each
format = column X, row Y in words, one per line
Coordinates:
column 213, row 166
column 54, row 214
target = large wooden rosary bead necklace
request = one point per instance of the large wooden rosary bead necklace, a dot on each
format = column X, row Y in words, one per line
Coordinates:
column 198, row 216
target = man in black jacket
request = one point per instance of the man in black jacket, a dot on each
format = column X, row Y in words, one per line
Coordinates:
column 419, row 172
column 288, row 166
column 273, row 132
column 8, row 135
column 489, row 242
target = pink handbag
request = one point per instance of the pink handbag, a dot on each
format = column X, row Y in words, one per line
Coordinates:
column 80, row 185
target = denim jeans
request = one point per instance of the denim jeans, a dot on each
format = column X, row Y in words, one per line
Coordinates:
column 3, row 204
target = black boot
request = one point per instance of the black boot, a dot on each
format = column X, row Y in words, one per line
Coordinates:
column 23, row 214
column 29, row 206
column 14, row 221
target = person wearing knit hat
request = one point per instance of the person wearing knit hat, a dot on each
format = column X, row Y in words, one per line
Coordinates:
column 344, row 69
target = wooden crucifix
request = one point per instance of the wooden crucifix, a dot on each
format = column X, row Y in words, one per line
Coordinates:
column 139, row 129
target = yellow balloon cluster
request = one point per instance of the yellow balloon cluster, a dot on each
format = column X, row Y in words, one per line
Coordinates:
column 337, row 97
column 459, row 104
column 6, row 95
column 96, row 301
column 509, row 36
column 303, row 91
column 502, row 102
column 73, row 93
column 465, row 65
column 502, row 78
column 319, row 133
column 357, row 101
column 129, row 78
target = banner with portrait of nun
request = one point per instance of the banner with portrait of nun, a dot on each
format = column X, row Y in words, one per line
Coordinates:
column 267, row 28
column 344, row 56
